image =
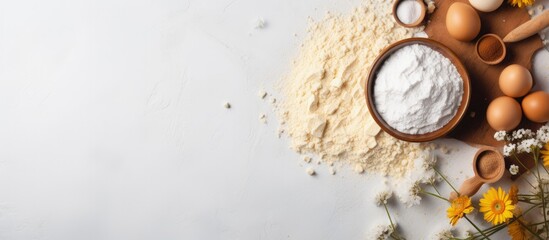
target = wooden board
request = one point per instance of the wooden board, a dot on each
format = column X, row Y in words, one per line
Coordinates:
column 474, row 128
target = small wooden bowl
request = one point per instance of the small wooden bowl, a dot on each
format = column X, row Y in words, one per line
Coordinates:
column 418, row 22
column 500, row 59
column 445, row 51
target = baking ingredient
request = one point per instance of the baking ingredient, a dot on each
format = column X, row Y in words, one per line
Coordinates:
column 417, row 90
column 536, row 106
column 260, row 23
column 262, row 94
column 486, row 5
column 326, row 82
column 310, row 171
column 488, row 164
column 490, row 49
column 227, row 105
column 515, row 81
column 430, row 6
column 263, row 118
column 462, row 22
column 504, row 114
column 409, row 11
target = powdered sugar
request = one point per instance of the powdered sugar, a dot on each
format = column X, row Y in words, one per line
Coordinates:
column 417, row 90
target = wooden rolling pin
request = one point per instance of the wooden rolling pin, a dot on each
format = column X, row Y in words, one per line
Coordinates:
column 529, row 28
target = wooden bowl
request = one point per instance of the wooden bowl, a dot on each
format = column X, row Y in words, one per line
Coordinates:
column 445, row 51
column 502, row 44
column 418, row 22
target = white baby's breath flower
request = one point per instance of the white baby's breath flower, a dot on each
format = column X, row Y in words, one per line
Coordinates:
column 500, row 135
column 514, row 169
column 522, row 133
column 381, row 232
column 509, row 149
column 382, row 197
column 527, row 145
column 543, row 134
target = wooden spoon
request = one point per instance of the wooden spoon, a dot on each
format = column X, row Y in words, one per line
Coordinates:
column 529, row 28
column 489, row 167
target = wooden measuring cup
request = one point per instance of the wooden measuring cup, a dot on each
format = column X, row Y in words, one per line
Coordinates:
column 489, row 167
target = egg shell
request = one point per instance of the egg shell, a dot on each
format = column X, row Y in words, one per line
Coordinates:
column 515, row 81
column 504, row 114
column 536, row 106
column 462, row 22
column 486, row 5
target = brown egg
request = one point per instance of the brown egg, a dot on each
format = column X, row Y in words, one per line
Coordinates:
column 536, row 106
column 515, row 81
column 504, row 113
column 462, row 22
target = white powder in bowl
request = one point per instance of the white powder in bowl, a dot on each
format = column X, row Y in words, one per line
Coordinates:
column 417, row 90
column 409, row 11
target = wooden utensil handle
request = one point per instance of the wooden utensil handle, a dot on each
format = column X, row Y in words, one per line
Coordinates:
column 529, row 28
column 469, row 187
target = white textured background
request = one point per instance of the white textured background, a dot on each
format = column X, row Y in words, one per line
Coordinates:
column 112, row 126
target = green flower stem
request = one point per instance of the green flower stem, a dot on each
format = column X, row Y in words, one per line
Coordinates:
column 540, row 184
column 436, row 190
column 520, row 162
column 435, row 195
column 489, row 231
column 475, row 226
column 446, row 180
column 498, row 228
column 389, row 215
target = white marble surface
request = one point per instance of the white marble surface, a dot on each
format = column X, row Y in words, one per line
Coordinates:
column 113, row 126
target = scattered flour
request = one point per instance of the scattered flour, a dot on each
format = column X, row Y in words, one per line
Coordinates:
column 417, row 90
column 323, row 109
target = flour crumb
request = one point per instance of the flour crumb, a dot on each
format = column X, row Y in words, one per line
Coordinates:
column 444, row 150
column 227, row 105
column 431, row 6
column 263, row 118
column 359, row 169
column 280, row 131
column 332, row 171
column 310, row 171
column 262, row 94
column 307, row 159
column 273, row 100
column 260, row 23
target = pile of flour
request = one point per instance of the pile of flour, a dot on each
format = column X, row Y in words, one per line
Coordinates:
column 324, row 110
column 417, row 90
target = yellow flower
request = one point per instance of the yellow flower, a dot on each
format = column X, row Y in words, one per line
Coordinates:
column 545, row 155
column 521, row 3
column 496, row 206
column 459, row 207
column 517, row 231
